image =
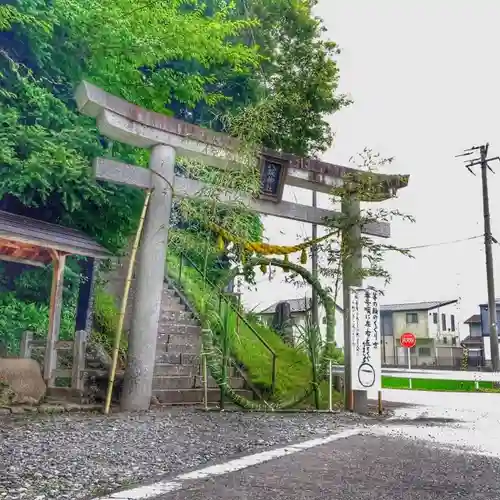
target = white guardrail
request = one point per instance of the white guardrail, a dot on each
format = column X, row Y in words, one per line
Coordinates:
column 431, row 374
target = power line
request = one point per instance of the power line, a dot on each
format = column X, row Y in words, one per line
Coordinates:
column 442, row 243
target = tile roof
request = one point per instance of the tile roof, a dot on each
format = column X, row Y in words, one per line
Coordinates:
column 416, row 306
column 296, row 305
column 474, row 319
column 42, row 234
column 472, row 340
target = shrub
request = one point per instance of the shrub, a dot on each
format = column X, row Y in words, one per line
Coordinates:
column 17, row 316
column 105, row 323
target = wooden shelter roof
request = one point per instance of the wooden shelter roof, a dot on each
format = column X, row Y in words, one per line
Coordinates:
column 35, row 242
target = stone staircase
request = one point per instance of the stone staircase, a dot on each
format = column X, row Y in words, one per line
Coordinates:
column 178, row 368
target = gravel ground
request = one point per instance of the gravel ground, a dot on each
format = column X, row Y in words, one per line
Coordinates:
column 70, row 457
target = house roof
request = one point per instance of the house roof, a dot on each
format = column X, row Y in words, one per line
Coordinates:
column 472, row 340
column 296, row 305
column 417, row 306
column 31, row 240
column 475, row 319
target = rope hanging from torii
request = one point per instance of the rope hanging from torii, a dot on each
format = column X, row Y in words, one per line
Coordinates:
column 261, row 248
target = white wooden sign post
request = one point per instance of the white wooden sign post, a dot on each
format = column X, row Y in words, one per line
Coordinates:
column 366, row 357
column 122, row 121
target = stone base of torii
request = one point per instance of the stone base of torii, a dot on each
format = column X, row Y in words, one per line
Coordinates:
column 122, row 121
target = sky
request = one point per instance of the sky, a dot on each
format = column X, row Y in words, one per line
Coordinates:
column 422, row 75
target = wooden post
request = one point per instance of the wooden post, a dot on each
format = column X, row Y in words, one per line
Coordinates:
column 26, row 339
column 50, row 360
column 79, row 347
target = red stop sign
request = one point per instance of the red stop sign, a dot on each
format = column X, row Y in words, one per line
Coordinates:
column 408, row 340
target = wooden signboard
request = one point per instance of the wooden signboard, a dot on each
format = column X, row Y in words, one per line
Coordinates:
column 272, row 178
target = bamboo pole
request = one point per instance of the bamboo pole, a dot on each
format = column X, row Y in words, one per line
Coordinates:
column 119, row 327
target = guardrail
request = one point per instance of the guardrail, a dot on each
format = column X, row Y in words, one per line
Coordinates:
column 432, row 374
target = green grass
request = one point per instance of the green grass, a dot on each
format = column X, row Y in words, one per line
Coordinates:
column 293, row 368
column 437, row 385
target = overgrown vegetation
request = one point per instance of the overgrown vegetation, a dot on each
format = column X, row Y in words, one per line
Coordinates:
column 293, row 365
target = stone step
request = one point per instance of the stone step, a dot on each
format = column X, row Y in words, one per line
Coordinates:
column 170, row 292
column 179, row 329
column 176, row 369
column 178, row 349
column 182, row 317
column 176, row 358
column 173, row 305
column 191, row 382
column 193, row 396
column 173, row 369
column 177, row 339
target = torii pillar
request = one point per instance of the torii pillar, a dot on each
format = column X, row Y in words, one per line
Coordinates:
column 138, row 381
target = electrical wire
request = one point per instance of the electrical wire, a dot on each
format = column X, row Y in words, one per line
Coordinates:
column 452, row 242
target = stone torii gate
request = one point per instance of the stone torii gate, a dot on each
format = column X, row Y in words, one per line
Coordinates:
column 122, row 121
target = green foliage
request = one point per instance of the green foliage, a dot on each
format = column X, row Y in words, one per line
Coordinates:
column 46, row 148
column 105, row 322
column 17, row 316
column 362, row 185
column 34, row 284
column 45, row 155
column 105, row 312
column 302, row 74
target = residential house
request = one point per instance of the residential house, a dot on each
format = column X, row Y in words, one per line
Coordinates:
column 299, row 310
column 485, row 329
column 435, row 327
column 474, row 342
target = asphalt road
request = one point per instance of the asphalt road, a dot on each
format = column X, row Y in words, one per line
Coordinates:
column 358, row 468
column 438, row 446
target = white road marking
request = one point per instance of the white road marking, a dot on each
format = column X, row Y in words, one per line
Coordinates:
column 162, row 487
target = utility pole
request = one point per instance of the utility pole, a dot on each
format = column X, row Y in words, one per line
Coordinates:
column 483, row 161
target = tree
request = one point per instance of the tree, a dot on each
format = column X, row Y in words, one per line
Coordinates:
column 46, row 48
column 297, row 75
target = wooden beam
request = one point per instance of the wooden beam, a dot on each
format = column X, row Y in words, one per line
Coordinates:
column 21, row 260
column 22, row 251
column 131, row 175
column 50, row 359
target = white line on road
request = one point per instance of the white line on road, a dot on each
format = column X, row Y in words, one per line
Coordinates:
column 167, row 486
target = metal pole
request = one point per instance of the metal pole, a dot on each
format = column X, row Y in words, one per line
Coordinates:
column 488, row 238
column 409, row 369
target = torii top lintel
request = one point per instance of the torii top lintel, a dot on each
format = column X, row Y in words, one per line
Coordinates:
column 123, row 121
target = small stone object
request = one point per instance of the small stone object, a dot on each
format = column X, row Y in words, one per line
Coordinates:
column 21, row 381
